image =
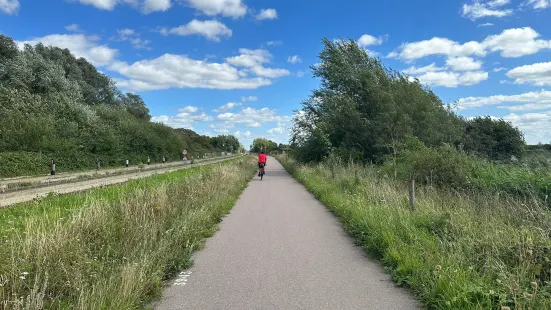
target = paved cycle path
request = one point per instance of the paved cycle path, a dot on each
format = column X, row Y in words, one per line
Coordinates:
column 280, row 248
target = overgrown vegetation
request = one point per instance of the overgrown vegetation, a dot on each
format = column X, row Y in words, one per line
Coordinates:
column 447, row 168
column 368, row 113
column 112, row 248
column 457, row 250
column 479, row 235
column 53, row 105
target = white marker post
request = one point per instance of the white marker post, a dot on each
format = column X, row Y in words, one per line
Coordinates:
column 52, row 168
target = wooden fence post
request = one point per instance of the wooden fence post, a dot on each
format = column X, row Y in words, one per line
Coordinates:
column 356, row 175
column 412, row 194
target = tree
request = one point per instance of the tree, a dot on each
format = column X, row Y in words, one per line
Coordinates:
column 262, row 144
column 493, row 139
column 135, row 105
column 363, row 109
column 8, row 48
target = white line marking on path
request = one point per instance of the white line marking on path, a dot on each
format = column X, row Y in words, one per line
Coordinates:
column 182, row 278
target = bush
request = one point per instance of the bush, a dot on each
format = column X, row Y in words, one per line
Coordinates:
column 443, row 166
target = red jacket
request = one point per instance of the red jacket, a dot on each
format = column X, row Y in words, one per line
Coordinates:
column 262, row 158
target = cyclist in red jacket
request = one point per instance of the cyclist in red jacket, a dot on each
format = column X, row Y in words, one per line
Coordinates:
column 261, row 162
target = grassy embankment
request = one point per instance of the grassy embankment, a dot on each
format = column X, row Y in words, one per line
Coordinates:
column 111, row 248
column 458, row 250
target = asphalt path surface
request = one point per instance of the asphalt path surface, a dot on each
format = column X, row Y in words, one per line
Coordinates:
column 280, row 248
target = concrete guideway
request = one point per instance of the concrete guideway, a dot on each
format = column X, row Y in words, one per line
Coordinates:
column 69, row 176
column 282, row 249
column 10, row 198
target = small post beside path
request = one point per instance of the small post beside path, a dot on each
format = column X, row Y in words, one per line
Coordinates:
column 52, row 167
column 412, row 194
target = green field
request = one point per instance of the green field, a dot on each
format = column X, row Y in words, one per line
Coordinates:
column 112, row 248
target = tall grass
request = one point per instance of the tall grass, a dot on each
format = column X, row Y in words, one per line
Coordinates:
column 112, row 248
column 457, row 250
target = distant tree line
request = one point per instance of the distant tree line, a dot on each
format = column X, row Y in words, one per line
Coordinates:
column 268, row 146
column 54, row 105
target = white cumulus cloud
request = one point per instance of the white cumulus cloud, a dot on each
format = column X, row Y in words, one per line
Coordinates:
column 438, row 46
column 493, row 8
column 72, row 28
column 189, row 109
column 537, row 97
column 178, row 71
column 538, row 74
column 9, row 6
column 539, row 4
column 253, row 117
column 253, row 61
column 186, row 118
column 368, row 40
column 269, row 72
column 453, row 79
column 228, row 8
column 150, row 6
column 146, row 6
column 535, row 126
column 463, row 63
column 250, row 58
column 249, row 98
column 420, row 70
column 210, row 29
column 133, row 37
column 228, row 106
column 514, row 42
column 294, row 59
column 267, row 14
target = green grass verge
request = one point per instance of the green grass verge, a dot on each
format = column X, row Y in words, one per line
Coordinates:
column 457, row 250
column 112, row 248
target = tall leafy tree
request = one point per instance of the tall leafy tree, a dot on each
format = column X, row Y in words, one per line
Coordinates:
column 364, row 109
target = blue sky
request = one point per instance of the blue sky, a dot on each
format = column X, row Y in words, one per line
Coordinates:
column 242, row 66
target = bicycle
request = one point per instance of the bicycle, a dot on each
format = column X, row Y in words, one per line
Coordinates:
column 261, row 173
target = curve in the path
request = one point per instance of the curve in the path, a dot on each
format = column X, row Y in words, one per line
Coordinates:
column 280, row 248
